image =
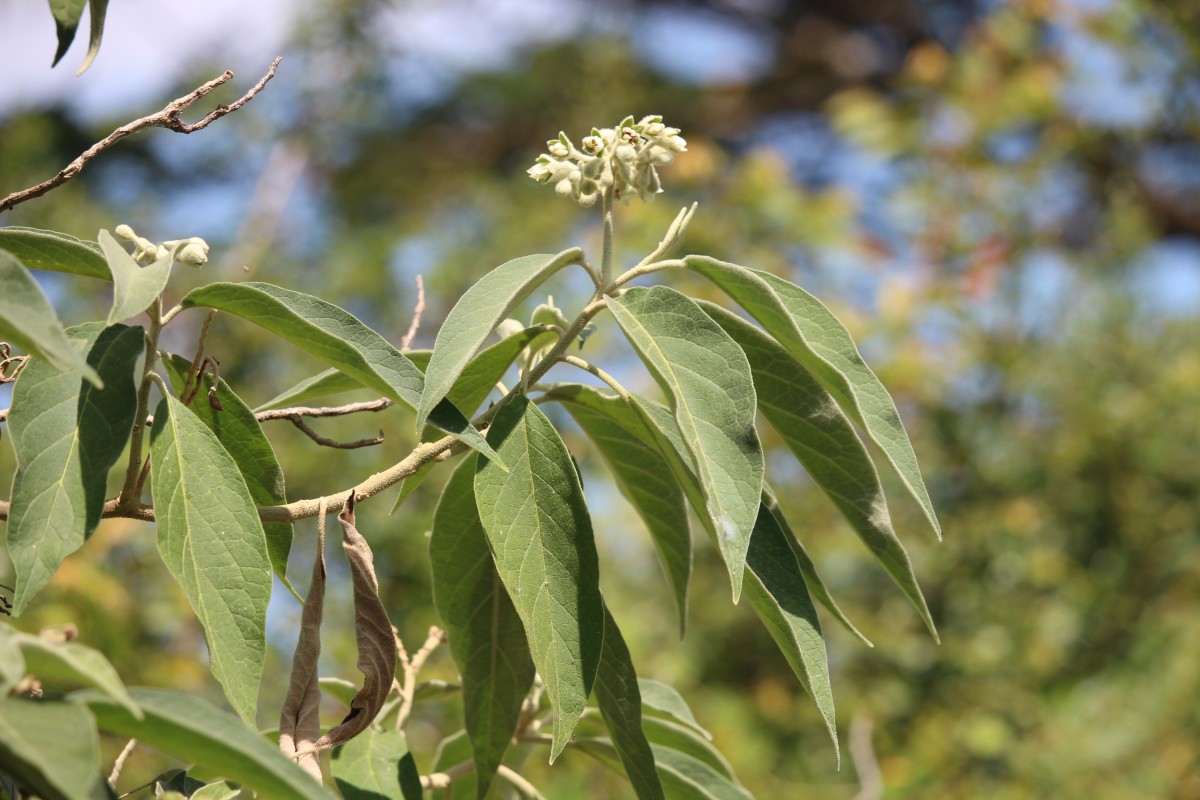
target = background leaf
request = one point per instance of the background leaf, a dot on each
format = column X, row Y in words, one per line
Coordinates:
column 190, row 729
column 660, row 699
column 67, row 435
column 323, row 384
column 28, row 320
column 51, row 747
column 211, row 539
column 376, row 765
column 477, row 313
column 54, row 251
column 69, row 662
column 540, row 533
column 484, row 629
column 712, row 396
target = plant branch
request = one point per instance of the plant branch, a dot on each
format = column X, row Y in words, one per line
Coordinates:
column 119, row 764
column 674, row 233
column 606, row 254
column 324, row 411
column 192, row 384
column 587, row 366
column 522, row 786
column 443, row 779
column 646, row 269
column 325, row 441
column 168, row 117
column 129, row 499
column 419, row 309
column 411, row 669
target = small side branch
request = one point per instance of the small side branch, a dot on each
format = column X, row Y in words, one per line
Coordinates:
column 169, row 117
column 418, row 310
column 323, row 411
column 412, row 667
column 324, row 441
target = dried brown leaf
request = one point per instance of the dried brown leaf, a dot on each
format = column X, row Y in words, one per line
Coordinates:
column 299, row 722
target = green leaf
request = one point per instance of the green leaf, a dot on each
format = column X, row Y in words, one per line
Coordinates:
column 376, row 765
column 51, row 250
column 819, row 341
column 176, row 781
column 334, row 335
column 222, row 790
column 659, row 699
column 643, row 476
column 824, row 441
column 707, row 377
column 240, row 433
column 99, row 8
column 50, row 747
column 780, row 598
column 134, row 286
column 339, row 689
column 67, row 14
column 188, row 728
column 486, row 636
column 687, row 741
column 477, row 313
column 621, row 705
column 213, row 543
column 28, row 320
column 683, row 777
column 69, row 662
column 541, row 536
column 67, row 434
column 12, row 663
column 451, row 751
column 323, row 384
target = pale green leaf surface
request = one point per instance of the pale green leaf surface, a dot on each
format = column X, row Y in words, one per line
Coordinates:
column 376, row 765
column 339, row 689
column 337, row 337
column 815, row 337
column 780, row 598
column 683, row 777
column 643, row 476
column 323, row 384
column 240, row 433
column 213, row 543
column 188, row 728
column 12, row 663
column 222, row 790
column 687, row 740
column 660, row 699
column 621, row 706
column 54, row 251
column 824, row 441
column 70, row 662
column 707, row 377
column 134, row 286
column 28, row 321
column 541, row 536
column 66, row 435
column 477, row 313
column 486, row 636
column 99, row 9
column 50, row 747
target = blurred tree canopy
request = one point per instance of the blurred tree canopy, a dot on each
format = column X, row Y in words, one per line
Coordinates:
column 1002, row 198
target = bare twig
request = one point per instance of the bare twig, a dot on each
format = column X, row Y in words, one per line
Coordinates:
column 192, row 384
column 419, row 309
column 10, row 365
column 324, row 441
column 522, row 786
column 119, row 764
column 3, row 414
column 862, row 754
column 324, row 411
column 411, row 668
column 443, row 779
column 168, row 117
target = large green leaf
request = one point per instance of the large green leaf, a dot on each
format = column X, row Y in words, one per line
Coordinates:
column 239, row 432
column 621, row 706
column 58, row 252
column 687, row 740
column 823, row 440
column 67, row 434
column 485, row 631
column 134, row 286
column 477, row 313
column 683, row 777
column 323, row 384
column 707, row 377
column 541, row 536
column 50, row 747
column 660, row 699
column 643, row 476
column 213, row 543
column 188, row 728
column 819, row 341
column 334, row 335
column 780, row 598
column 28, row 320
column 69, row 662
column 376, row 765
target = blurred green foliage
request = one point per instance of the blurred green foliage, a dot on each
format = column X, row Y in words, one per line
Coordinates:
column 1007, row 215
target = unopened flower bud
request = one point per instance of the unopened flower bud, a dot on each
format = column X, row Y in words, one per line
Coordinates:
column 194, row 252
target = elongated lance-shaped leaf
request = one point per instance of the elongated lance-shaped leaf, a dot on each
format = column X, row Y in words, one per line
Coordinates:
column 707, row 377
column 213, row 543
column 28, row 320
column 477, row 313
column 51, row 748
column 134, row 286
column 643, row 476
column 486, row 636
column 98, row 10
column 662, row 700
column 824, row 441
column 70, row 662
column 67, row 434
column 375, row 765
column 54, row 251
column 686, row 740
column 240, row 433
column 781, row 600
column 683, row 776
column 323, row 384
column 336, row 336
column 67, row 14
column 621, row 706
column 541, row 536
column 197, row 732
column 819, row 341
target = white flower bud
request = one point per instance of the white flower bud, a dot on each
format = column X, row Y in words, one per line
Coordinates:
column 125, row 232
column 558, row 149
column 194, row 252
column 564, row 188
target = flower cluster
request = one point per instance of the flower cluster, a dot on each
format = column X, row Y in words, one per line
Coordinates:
column 624, row 159
column 192, row 251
